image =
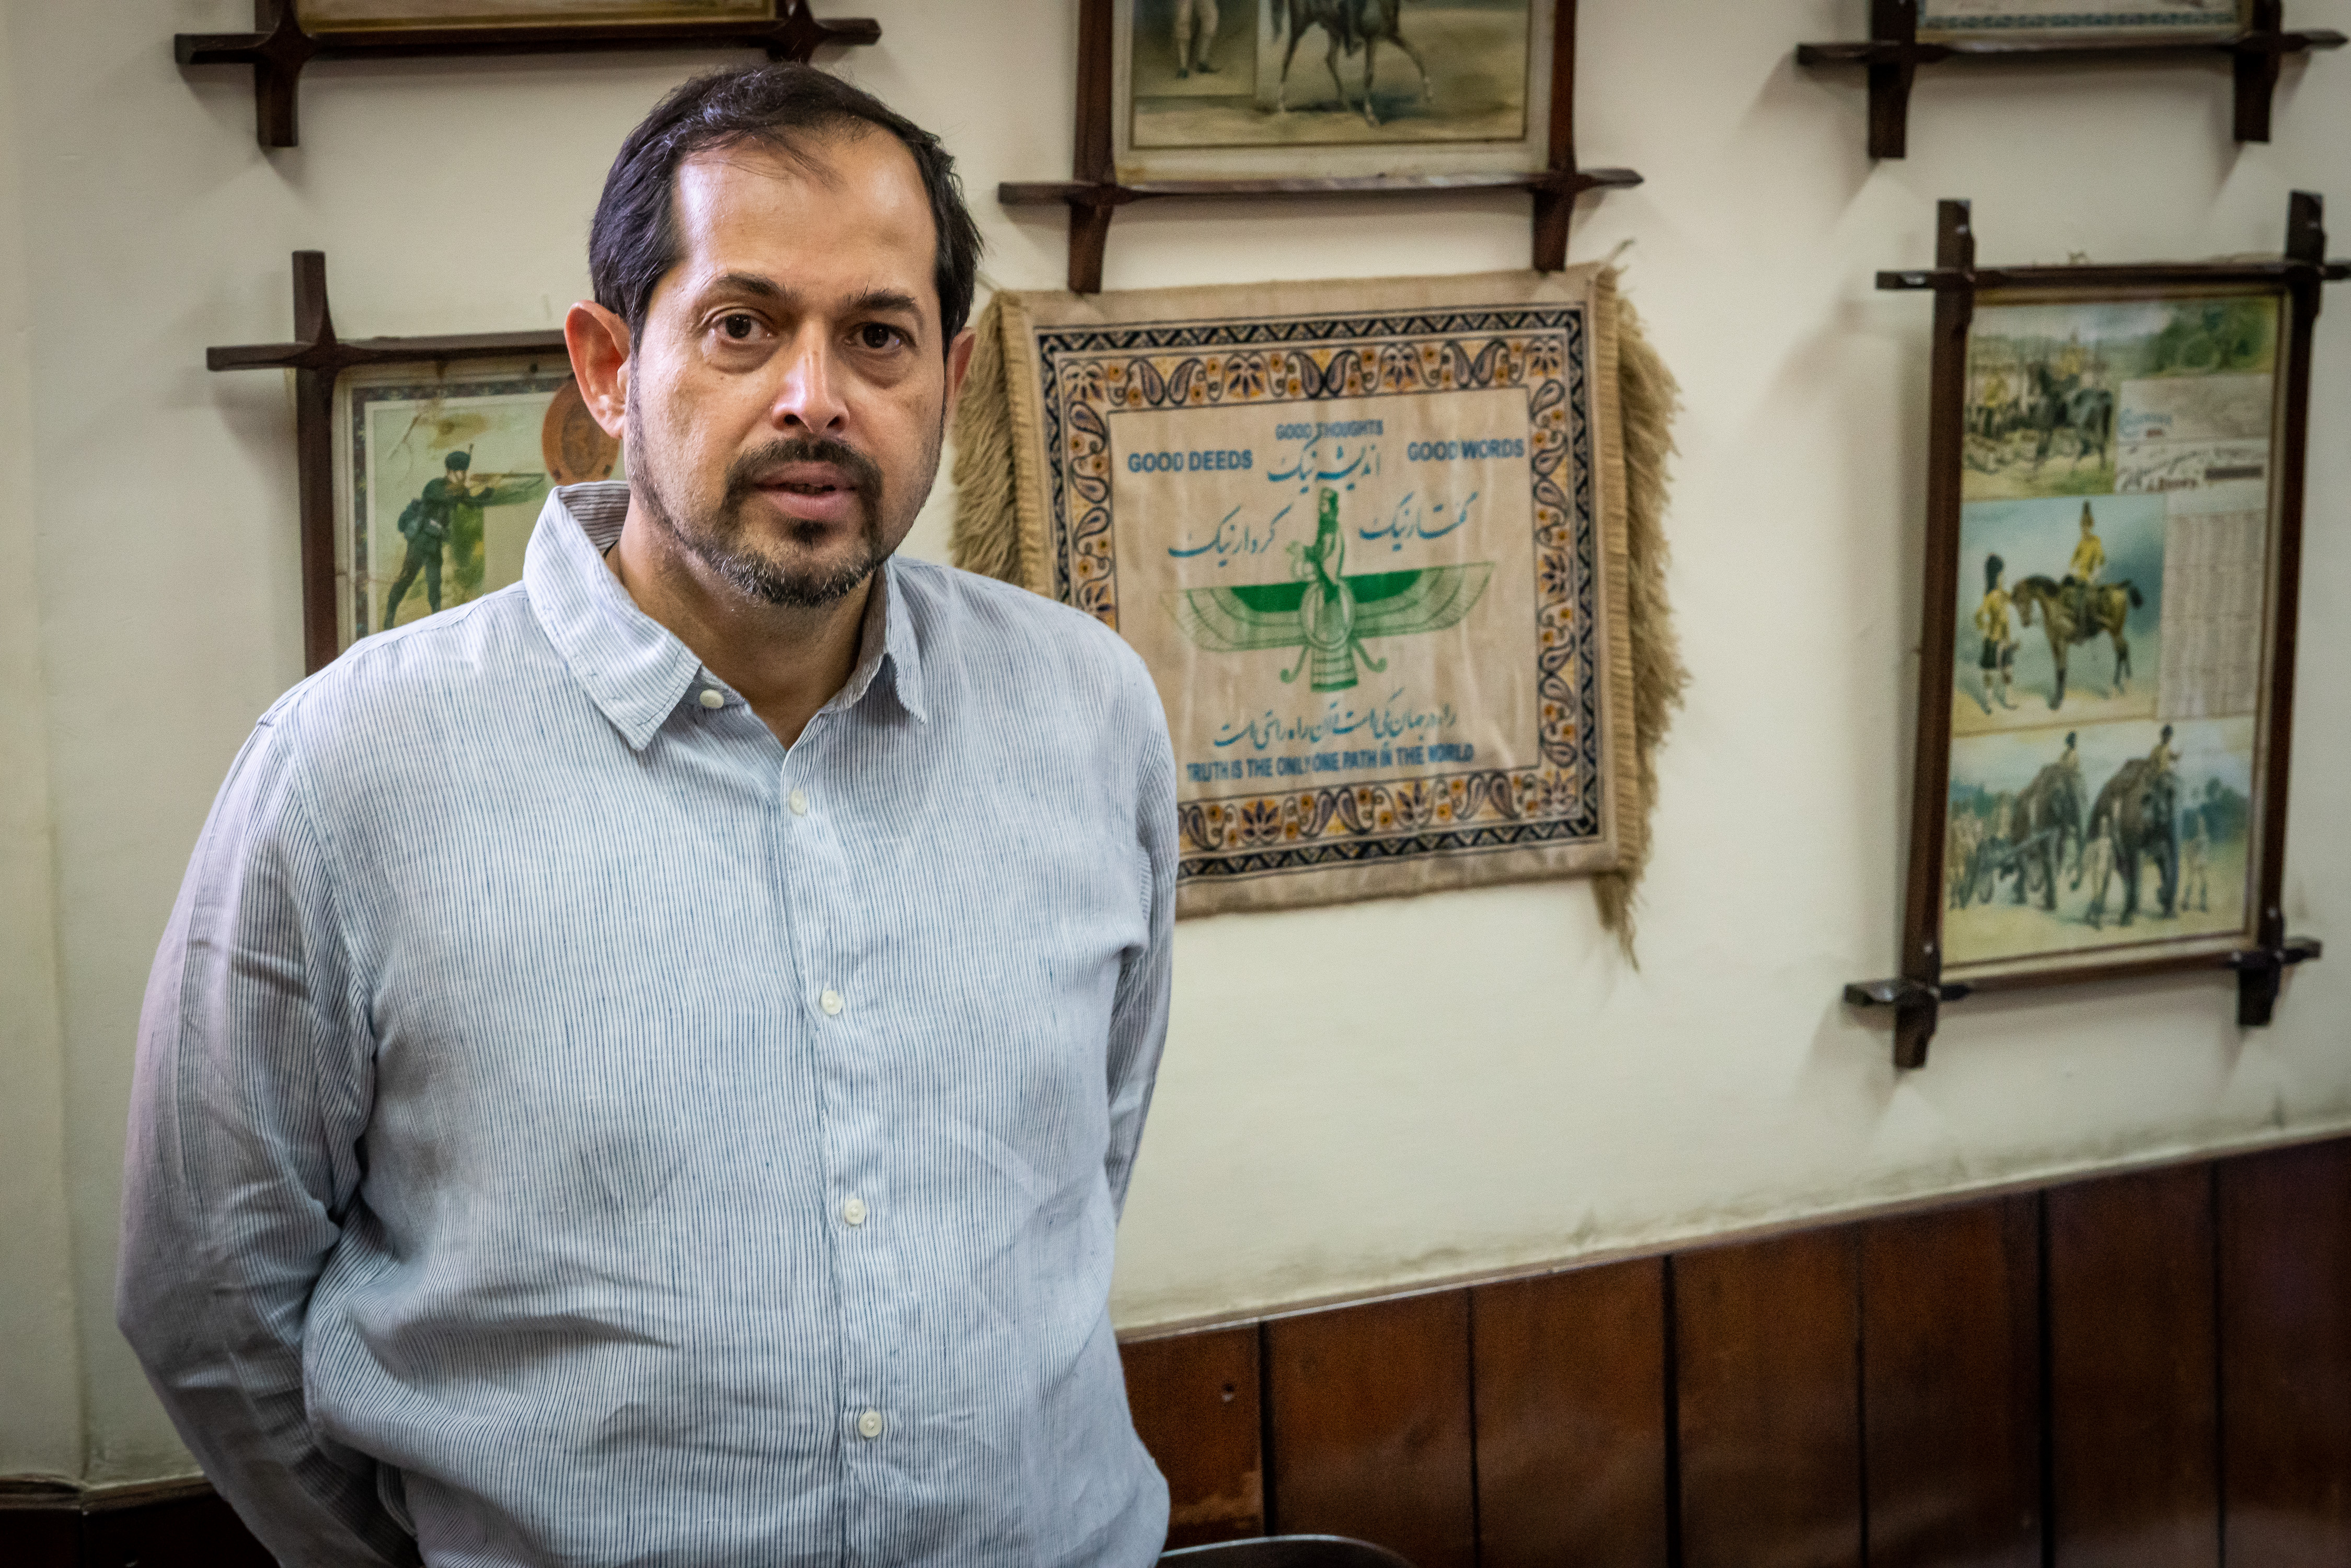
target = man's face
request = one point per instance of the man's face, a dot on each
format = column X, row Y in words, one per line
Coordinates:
column 787, row 392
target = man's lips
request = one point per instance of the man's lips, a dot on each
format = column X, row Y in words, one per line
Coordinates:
column 817, row 492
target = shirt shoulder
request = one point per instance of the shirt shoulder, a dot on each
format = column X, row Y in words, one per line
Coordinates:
column 467, row 662
column 975, row 626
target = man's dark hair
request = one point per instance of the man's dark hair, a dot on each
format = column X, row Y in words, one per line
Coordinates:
column 632, row 243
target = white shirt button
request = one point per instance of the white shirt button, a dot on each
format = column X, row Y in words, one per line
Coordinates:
column 829, row 1002
column 712, row 697
column 853, row 1211
column 870, row 1424
column 798, row 801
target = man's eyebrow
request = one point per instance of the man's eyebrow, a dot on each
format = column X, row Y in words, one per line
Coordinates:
column 872, row 302
column 750, row 283
column 883, row 301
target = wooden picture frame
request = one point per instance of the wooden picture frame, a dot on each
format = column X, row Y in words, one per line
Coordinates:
column 478, row 379
column 288, row 34
column 1902, row 38
column 1107, row 173
column 2071, row 21
column 2152, row 419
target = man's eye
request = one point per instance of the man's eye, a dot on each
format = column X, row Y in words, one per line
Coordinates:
column 875, row 335
column 738, row 326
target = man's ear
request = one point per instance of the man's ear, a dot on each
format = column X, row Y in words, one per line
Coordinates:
column 598, row 342
column 958, row 363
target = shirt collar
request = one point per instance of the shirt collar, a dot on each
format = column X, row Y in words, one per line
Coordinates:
column 887, row 644
column 633, row 668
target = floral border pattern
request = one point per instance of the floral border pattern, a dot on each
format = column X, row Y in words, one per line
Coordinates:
column 1087, row 373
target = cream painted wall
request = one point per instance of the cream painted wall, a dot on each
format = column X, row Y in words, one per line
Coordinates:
column 1354, row 1100
column 40, row 1382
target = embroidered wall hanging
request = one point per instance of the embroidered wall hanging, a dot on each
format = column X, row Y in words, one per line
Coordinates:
column 1392, row 550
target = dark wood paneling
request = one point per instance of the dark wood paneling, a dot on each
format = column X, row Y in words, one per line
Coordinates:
column 1370, row 1427
column 39, row 1537
column 2285, row 1356
column 185, row 1532
column 1570, row 1402
column 2175, row 1337
column 2132, row 1435
column 172, row 1524
column 1950, row 1336
column 1767, row 1340
column 1195, row 1400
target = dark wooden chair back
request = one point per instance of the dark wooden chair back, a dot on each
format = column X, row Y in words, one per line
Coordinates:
column 1287, row 1552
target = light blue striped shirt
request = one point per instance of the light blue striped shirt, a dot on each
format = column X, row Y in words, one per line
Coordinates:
column 572, row 1128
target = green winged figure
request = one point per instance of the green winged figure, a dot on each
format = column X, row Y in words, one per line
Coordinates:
column 1324, row 611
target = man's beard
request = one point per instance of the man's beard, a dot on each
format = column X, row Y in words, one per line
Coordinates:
column 717, row 536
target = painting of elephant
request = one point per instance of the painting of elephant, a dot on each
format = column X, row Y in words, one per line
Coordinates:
column 2047, row 813
column 2138, row 813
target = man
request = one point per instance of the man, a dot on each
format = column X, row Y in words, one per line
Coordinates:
column 424, row 523
column 2195, row 861
column 1196, row 32
column 2082, row 571
column 705, row 1147
column 1998, row 658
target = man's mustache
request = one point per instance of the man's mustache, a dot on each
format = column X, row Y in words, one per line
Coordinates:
column 864, row 475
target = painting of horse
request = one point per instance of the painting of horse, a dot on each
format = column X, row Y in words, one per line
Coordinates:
column 1351, row 25
column 2078, row 614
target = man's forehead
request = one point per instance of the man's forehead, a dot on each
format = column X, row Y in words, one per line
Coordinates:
column 852, row 173
column 828, row 206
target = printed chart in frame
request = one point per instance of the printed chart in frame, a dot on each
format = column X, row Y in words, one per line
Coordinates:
column 2116, row 545
column 1362, row 534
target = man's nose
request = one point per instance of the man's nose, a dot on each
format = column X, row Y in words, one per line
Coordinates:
column 808, row 397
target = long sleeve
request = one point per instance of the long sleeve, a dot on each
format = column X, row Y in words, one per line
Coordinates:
column 252, row 1092
column 1138, row 1024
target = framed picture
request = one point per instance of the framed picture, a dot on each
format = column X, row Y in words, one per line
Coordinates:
column 1331, row 88
column 2117, row 542
column 439, row 472
column 2072, row 21
column 288, row 34
column 2250, row 36
column 2114, row 527
column 335, row 16
column 422, row 461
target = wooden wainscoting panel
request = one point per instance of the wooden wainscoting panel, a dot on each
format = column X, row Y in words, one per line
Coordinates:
column 1571, row 1406
column 1371, row 1428
column 38, row 1537
column 2134, row 1433
column 1950, row 1349
column 1767, row 1384
column 2285, row 1356
column 1195, row 1400
column 183, row 1532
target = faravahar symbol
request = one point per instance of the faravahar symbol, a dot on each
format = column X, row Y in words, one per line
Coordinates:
column 1326, row 613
